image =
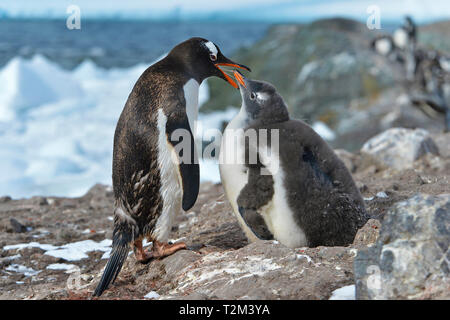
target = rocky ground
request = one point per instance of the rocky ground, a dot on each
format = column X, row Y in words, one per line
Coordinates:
column 55, row 248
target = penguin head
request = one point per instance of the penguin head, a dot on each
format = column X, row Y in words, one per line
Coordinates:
column 409, row 25
column 202, row 58
column 263, row 104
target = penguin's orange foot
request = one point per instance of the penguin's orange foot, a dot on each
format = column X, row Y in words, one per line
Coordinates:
column 143, row 256
column 159, row 250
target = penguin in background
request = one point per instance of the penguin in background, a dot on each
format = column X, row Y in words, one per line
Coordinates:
column 150, row 180
column 299, row 192
column 431, row 87
column 406, row 34
column 400, row 47
column 405, row 38
column 385, row 46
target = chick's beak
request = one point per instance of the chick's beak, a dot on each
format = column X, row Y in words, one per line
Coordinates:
column 240, row 78
column 230, row 64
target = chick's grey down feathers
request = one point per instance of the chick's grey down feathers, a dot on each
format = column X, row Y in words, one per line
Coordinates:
column 326, row 202
column 318, row 188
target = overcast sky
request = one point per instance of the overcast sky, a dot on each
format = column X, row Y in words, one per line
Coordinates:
column 281, row 10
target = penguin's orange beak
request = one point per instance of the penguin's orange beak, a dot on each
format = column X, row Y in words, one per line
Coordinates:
column 239, row 78
column 232, row 65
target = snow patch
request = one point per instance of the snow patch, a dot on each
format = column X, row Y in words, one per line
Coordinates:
column 344, row 293
column 18, row 268
column 71, row 252
column 78, row 250
column 21, row 246
column 61, row 266
column 152, row 295
column 17, row 256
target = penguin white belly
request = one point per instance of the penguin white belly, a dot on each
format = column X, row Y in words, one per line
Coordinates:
column 171, row 184
column 383, row 46
column 233, row 172
column 400, row 38
column 277, row 214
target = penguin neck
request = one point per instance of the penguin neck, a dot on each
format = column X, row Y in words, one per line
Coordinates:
column 189, row 85
column 185, row 68
column 240, row 121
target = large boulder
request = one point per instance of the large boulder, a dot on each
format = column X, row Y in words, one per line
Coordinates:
column 410, row 259
column 398, row 148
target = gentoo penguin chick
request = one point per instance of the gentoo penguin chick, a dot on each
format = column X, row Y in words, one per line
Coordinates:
column 293, row 187
column 152, row 181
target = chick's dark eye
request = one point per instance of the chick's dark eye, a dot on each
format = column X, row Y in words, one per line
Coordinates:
column 213, row 57
column 252, row 96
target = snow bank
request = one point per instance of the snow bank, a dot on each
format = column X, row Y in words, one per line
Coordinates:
column 57, row 126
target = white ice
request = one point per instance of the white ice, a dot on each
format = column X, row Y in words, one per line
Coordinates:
column 344, row 293
column 57, row 126
column 70, row 252
column 152, row 295
column 61, row 266
column 28, row 272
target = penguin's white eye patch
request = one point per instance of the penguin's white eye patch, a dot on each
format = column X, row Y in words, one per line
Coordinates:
column 213, row 57
column 212, row 48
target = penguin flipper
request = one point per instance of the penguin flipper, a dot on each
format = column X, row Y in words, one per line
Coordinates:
column 256, row 223
column 256, row 193
column 180, row 136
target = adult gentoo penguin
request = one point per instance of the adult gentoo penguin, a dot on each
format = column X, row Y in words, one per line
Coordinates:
column 151, row 181
column 296, row 190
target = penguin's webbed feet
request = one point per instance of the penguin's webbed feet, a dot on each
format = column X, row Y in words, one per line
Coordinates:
column 159, row 250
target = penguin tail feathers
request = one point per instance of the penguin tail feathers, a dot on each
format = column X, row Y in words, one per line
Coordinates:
column 119, row 254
